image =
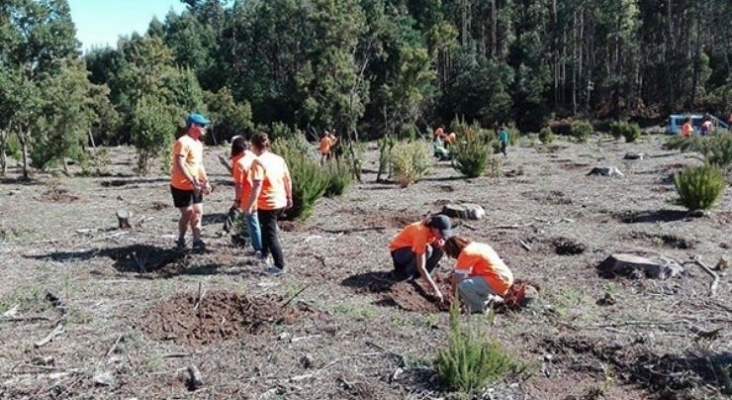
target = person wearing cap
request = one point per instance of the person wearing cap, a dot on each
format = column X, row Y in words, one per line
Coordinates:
column 480, row 275
column 188, row 181
column 416, row 250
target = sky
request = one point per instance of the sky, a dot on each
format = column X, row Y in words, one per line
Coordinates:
column 101, row 22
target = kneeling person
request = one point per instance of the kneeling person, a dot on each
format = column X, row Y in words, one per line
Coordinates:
column 479, row 273
column 416, row 250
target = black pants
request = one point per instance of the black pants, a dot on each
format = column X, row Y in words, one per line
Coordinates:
column 503, row 148
column 405, row 261
column 270, row 241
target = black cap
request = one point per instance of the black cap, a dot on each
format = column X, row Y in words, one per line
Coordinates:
column 443, row 224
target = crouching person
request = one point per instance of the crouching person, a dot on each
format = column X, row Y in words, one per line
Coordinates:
column 479, row 275
column 416, row 250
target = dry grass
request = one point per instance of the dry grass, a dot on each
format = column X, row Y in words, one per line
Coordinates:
column 356, row 344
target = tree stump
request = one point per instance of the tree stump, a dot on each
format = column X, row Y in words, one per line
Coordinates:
column 463, row 211
column 123, row 219
column 633, row 266
column 606, row 171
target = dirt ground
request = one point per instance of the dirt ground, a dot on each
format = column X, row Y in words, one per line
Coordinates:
column 133, row 314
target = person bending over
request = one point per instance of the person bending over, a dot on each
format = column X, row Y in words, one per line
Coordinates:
column 479, row 274
column 416, row 250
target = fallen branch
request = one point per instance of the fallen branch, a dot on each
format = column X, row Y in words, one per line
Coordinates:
column 525, row 245
column 293, row 297
column 314, row 374
column 59, row 329
column 25, row 319
column 199, row 298
column 715, row 278
column 114, row 346
column 301, row 338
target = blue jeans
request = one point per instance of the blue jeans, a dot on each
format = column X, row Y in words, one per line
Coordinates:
column 255, row 231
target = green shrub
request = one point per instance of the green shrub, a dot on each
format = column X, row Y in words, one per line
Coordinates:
column 151, row 131
column 471, row 361
column 309, row 179
column 719, row 151
column 546, row 136
column 631, row 132
column 410, row 161
column 581, row 131
column 699, row 187
column 13, row 148
column 471, row 154
column 716, row 149
column 340, row 177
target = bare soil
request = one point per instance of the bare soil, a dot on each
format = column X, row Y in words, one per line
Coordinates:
column 349, row 330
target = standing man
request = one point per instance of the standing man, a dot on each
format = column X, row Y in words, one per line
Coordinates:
column 189, row 182
column 503, row 138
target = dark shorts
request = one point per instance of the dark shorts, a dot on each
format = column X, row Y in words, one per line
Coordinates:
column 185, row 198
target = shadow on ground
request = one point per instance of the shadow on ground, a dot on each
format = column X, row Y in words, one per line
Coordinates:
column 371, row 282
column 141, row 259
column 651, row 216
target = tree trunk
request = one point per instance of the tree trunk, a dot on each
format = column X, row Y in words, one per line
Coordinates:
column 24, row 149
column 3, row 157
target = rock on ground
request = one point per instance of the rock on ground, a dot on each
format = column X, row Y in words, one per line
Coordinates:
column 464, row 211
column 637, row 267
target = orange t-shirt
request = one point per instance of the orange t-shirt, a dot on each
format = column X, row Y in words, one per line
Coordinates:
column 686, row 129
column 415, row 236
column 479, row 259
column 192, row 152
column 242, row 166
column 272, row 170
column 451, row 138
column 325, row 144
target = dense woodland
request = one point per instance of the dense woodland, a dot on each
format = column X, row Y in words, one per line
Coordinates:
column 364, row 67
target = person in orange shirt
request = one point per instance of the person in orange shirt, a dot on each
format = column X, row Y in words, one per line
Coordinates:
column 271, row 194
column 451, row 138
column 238, row 145
column 188, row 181
column 480, row 274
column 326, row 141
column 416, row 250
column 687, row 129
column 242, row 162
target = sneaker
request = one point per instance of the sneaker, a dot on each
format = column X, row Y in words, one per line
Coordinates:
column 180, row 244
column 274, row 271
column 198, row 245
column 258, row 255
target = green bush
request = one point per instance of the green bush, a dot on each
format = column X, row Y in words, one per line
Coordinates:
column 309, row 179
column 13, row 148
column 581, row 131
column 716, row 149
column 631, row 132
column 699, row 187
column 471, row 361
column 340, row 177
column 152, row 131
column 410, row 161
column 472, row 153
column 719, row 151
column 546, row 136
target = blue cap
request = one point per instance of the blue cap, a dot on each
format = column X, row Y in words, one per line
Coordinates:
column 197, row 119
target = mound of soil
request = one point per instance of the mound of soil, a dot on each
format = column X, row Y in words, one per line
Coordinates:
column 567, row 247
column 218, row 316
column 59, row 196
column 666, row 240
column 412, row 296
